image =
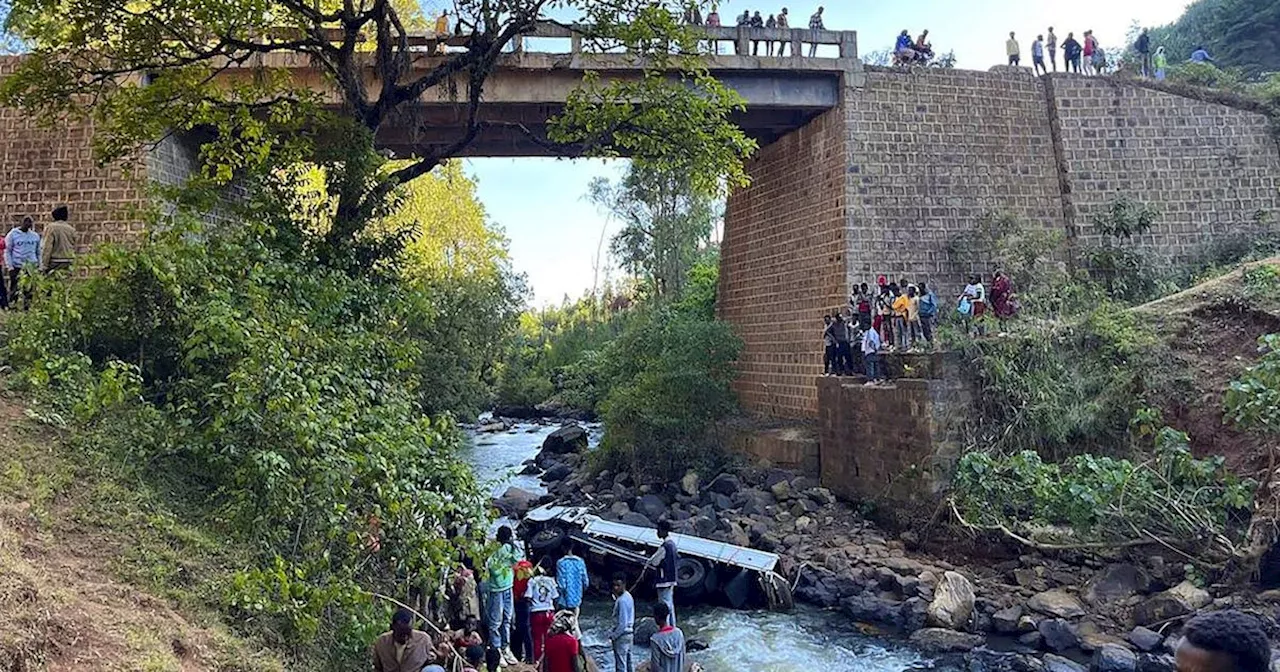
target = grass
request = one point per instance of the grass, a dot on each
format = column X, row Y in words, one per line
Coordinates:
column 97, row 573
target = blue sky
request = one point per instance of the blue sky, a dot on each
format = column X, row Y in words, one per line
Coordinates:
column 555, row 233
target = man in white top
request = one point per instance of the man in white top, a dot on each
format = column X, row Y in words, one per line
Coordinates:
column 542, row 594
column 871, row 356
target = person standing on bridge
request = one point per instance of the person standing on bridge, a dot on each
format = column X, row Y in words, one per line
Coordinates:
column 756, row 22
column 1037, row 56
column 828, row 346
column 1053, row 49
column 815, row 23
column 769, row 23
column 871, row 356
column 664, row 560
column 1013, row 49
column 1071, row 54
column 784, row 23
column 713, row 21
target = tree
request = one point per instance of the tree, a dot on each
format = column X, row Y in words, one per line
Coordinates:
column 146, row 68
column 666, row 222
column 1239, row 33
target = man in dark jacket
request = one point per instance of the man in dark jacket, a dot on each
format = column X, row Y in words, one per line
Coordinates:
column 1143, row 47
column 664, row 562
column 1071, row 53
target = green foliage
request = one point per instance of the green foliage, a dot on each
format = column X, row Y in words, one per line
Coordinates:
column 1090, row 501
column 1253, row 400
column 281, row 400
column 1207, row 75
column 666, row 223
column 1239, row 34
column 1032, row 256
column 1126, row 273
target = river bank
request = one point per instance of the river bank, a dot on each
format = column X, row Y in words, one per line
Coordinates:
column 1021, row 612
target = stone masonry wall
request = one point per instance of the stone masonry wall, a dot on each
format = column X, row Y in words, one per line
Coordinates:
column 41, row 167
column 782, row 265
column 1208, row 168
column 933, row 152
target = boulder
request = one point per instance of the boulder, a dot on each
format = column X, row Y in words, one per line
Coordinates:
column 636, row 519
column 567, row 439
column 1056, row 603
column 1054, row 663
column 557, row 472
column 643, row 631
column 820, row 496
column 1156, row 662
column 689, row 484
column 725, row 484
column 515, row 502
column 1144, row 639
column 1112, row 658
column 1006, row 621
column 869, row 609
column 942, row 640
column 1114, row 583
column 781, row 490
column 721, row 502
column 651, row 506
column 704, row 526
column 619, row 509
column 952, row 603
column 1181, row 600
column 1058, row 634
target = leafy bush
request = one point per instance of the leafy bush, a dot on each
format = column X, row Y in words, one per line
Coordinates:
column 1097, row 502
column 1253, row 400
column 282, row 400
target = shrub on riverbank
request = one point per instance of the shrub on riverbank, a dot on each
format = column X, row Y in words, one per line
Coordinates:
column 278, row 402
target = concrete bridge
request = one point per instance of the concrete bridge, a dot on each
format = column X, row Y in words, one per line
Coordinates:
column 530, row 86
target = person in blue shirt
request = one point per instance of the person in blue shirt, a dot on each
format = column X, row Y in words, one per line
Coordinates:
column 624, row 621
column 571, row 579
column 871, row 356
column 928, row 312
column 1200, row 55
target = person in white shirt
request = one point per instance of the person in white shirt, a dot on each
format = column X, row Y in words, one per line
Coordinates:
column 542, row 593
column 871, row 356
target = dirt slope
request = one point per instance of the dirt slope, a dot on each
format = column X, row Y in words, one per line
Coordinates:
column 68, row 536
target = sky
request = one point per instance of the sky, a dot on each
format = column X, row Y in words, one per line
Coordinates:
column 555, row 233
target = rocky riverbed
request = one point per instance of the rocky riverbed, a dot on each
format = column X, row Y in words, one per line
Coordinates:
column 1030, row 612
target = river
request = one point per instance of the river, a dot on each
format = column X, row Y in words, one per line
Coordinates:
column 803, row 641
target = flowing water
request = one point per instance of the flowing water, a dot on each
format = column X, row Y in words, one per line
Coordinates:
column 807, row 640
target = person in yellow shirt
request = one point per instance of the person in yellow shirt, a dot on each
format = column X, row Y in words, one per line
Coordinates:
column 915, row 331
column 900, row 307
column 442, row 31
column 1015, row 52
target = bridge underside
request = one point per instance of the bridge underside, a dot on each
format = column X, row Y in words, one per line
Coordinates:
column 511, row 130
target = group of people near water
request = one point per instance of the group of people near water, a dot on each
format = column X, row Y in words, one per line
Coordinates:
column 531, row 616
column 901, row 317
column 27, row 253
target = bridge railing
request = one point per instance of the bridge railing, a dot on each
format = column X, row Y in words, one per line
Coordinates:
column 743, row 38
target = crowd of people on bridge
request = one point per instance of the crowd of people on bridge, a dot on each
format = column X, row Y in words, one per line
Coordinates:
column 901, row 317
column 1086, row 56
column 27, row 253
column 524, row 615
column 754, row 19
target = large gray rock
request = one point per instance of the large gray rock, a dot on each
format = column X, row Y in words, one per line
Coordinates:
column 942, row 640
column 1112, row 658
column 567, row 439
column 1114, row 583
column 651, row 506
column 689, row 484
column 1054, row 663
column 952, row 603
column 1058, row 634
column 1181, row 600
column 781, row 490
column 1007, row 621
column 643, row 631
column 1156, row 662
column 636, row 519
column 1056, row 603
column 725, row 484
column 1144, row 639
column 515, row 502
column 557, row 472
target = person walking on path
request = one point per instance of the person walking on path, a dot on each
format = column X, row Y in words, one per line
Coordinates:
column 1143, row 47
column 542, row 594
column 21, row 257
column 59, row 248
column 1053, row 49
column 1013, row 50
column 871, row 356
column 1071, row 54
column 1161, row 63
column 1037, row 56
column 571, row 579
column 815, row 23
column 928, row 312
column 666, row 647
column 402, row 648
column 624, row 622
column 664, row 561
column 500, row 606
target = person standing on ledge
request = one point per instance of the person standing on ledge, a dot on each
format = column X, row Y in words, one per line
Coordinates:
column 624, row 621
column 21, row 254
column 784, row 23
column 664, row 561
column 1143, row 47
column 1037, row 56
column 815, row 23
column 1013, row 49
column 499, row 603
column 1071, row 54
column 1053, row 49
column 59, row 249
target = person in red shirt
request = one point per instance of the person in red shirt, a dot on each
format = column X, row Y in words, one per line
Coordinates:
column 562, row 652
column 521, row 634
